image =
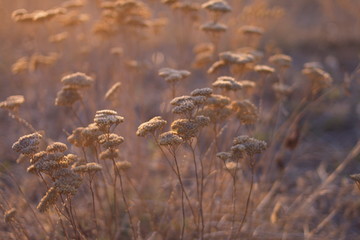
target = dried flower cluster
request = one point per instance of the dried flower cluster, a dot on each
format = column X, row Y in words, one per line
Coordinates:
column 150, row 126
column 172, row 75
column 35, row 61
column 69, row 94
column 227, row 83
column 243, row 147
column 12, row 103
column 52, row 162
column 245, row 111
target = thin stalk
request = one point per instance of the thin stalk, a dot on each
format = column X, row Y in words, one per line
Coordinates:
column 115, row 196
column 127, row 208
column 182, row 195
column 233, row 204
column 70, row 217
column 24, row 196
column 93, row 205
column 21, row 121
column 179, row 177
column 252, row 166
column 199, row 187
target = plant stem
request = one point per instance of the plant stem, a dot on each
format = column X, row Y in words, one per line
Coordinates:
column 179, row 177
column 127, row 208
column 252, row 166
column 182, row 194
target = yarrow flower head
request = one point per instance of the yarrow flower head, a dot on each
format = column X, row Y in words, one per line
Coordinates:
column 12, row 102
column 245, row 111
column 104, row 119
column 77, row 80
column 27, row 144
column 110, row 140
column 217, row 6
column 88, row 168
column 250, row 146
column 227, row 83
column 172, row 75
column 170, row 139
column 150, row 126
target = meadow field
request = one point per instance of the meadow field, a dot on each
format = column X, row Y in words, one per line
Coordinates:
column 176, row 119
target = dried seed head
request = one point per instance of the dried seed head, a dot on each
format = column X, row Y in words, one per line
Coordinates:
column 258, row 55
column 199, row 100
column 204, row 48
column 186, row 107
column 112, row 91
column 247, row 84
column 172, row 76
column 213, row 27
column 71, row 158
column 12, row 102
column 170, row 139
column 38, row 156
column 48, row 200
column 216, row 114
column 9, row 215
column 18, row 13
column 281, row 60
column 179, row 100
column 77, row 80
column 21, row 65
column 202, row 120
column 73, row 4
column 67, row 181
column 245, row 111
column 250, row 145
column 109, row 154
column 206, row 92
column 319, row 79
column 104, row 119
column 150, row 126
column 169, row 2
column 252, row 30
column 90, row 134
column 236, row 58
column 76, row 137
column 137, row 22
column 224, row 155
column 67, row 96
column 27, row 144
column 110, row 140
column 238, row 151
column 88, row 168
column 37, row 60
column 218, row 101
column 123, row 165
column 313, row 65
column 186, row 7
column 56, row 147
column 60, row 37
column 227, row 83
column 282, row 90
column 185, row 128
column 216, row 66
column 49, row 162
column 264, row 69
column 216, row 6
